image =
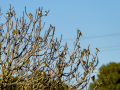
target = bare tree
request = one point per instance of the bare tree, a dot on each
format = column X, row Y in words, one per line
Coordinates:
column 39, row 61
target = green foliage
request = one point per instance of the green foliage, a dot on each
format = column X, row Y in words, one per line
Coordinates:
column 113, row 82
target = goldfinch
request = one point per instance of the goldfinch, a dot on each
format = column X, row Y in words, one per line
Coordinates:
column 97, row 50
column 82, row 54
column 14, row 32
column 40, row 12
column 90, row 64
column 85, row 82
column 40, row 39
column 79, row 33
column 93, row 59
column 46, row 13
column 51, row 26
column 45, row 64
column 30, row 15
column 78, row 46
column 8, row 14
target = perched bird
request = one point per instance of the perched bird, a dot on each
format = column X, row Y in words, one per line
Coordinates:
column 85, row 82
column 11, row 14
column 93, row 59
column 90, row 64
column 75, row 54
column 64, row 47
column 37, row 46
column 18, row 31
column 57, row 65
column 46, row 13
column 82, row 54
column 14, row 32
column 20, row 39
column 27, row 61
column 40, row 12
column 98, row 83
column 51, row 26
column 30, row 15
column 73, row 75
column 97, row 50
column 45, row 64
column 93, row 78
column 40, row 39
column 83, row 62
column 8, row 14
column 78, row 46
column 79, row 33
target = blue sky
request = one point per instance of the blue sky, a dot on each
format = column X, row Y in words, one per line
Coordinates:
column 93, row 17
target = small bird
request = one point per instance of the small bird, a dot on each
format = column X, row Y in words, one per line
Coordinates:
column 8, row 14
column 85, row 82
column 27, row 61
column 82, row 54
column 84, row 62
column 11, row 14
column 79, row 33
column 78, row 46
column 57, row 65
column 20, row 39
column 46, row 13
column 98, row 83
column 30, row 15
column 97, row 50
column 45, row 64
column 18, row 31
column 40, row 12
column 90, row 63
column 40, row 39
column 14, row 32
column 93, row 59
column 93, row 78
column 73, row 75
column 51, row 26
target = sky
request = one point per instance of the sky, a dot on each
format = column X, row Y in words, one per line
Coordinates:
column 98, row 20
